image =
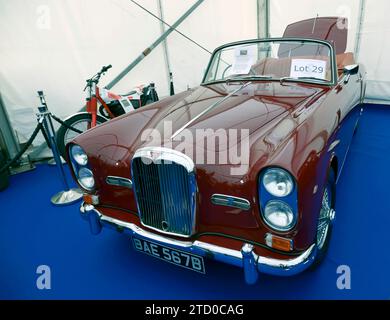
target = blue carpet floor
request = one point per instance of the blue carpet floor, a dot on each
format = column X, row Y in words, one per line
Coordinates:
column 33, row 233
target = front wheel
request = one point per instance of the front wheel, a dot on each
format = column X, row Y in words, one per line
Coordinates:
column 81, row 122
column 325, row 219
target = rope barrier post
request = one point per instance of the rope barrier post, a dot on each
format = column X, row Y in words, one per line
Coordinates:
column 68, row 195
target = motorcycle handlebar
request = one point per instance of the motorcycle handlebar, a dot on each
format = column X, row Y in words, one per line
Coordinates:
column 105, row 68
column 97, row 76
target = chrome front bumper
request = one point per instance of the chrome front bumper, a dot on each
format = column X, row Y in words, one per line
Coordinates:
column 247, row 259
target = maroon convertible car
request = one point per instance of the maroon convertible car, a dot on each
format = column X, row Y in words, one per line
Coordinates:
column 242, row 169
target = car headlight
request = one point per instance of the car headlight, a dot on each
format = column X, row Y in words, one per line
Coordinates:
column 79, row 155
column 279, row 215
column 86, row 179
column 278, row 182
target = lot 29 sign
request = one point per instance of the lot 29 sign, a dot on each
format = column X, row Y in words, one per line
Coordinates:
column 308, row 68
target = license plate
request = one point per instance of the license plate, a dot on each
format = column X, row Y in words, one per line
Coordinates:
column 180, row 258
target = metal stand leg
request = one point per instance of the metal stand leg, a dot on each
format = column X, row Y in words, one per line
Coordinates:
column 68, row 196
column 64, row 198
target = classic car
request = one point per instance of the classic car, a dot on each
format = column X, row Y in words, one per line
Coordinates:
column 286, row 108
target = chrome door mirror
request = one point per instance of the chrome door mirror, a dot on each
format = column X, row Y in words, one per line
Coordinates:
column 349, row 71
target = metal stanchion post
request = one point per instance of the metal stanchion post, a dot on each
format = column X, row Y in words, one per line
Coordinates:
column 68, row 196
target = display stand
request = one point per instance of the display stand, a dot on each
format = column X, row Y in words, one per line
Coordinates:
column 68, row 195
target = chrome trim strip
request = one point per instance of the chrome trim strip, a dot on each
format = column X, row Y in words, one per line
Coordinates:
column 288, row 265
column 208, row 109
column 230, row 201
column 119, row 182
column 333, row 145
column 211, row 248
column 165, row 232
column 246, row 258
column 156, row 154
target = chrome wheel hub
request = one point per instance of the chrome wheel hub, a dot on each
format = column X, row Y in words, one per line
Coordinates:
column 327, row 215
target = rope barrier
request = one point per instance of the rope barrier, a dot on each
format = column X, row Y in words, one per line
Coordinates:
column 38, row 128
column 45, row 124
column 65, row 124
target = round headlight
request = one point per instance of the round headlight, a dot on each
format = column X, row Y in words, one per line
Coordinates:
column 279, row 215
column 79, row 155
column 278, row 182
column 86, row 179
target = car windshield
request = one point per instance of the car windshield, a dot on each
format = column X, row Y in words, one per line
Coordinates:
column 273, row 59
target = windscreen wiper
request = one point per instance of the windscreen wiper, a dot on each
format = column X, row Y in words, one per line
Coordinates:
column 300, row 78
column 249, row 77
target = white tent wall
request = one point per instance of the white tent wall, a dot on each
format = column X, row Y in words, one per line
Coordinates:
column 214, row 23
column 375, row 48
column 284, row 13
column 374, row 40
column 54, row 45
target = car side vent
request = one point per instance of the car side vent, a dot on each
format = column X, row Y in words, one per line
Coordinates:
column 230, row 201
column 119, row 182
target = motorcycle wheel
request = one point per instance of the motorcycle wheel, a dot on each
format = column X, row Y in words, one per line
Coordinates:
column 78, row 121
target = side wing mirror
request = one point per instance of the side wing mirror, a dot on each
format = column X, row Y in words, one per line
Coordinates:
column 350, row 71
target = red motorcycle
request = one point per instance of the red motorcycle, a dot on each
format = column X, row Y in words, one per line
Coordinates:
column 102, row 105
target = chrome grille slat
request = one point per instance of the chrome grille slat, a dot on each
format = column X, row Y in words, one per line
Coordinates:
column 165, row 192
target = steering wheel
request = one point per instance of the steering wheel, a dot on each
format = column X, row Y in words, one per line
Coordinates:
column 251, row 71
column 226, row 69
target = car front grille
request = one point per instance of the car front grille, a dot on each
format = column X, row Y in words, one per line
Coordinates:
column 165, row 191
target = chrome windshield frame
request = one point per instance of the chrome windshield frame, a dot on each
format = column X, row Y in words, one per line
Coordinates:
column 333, row 66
